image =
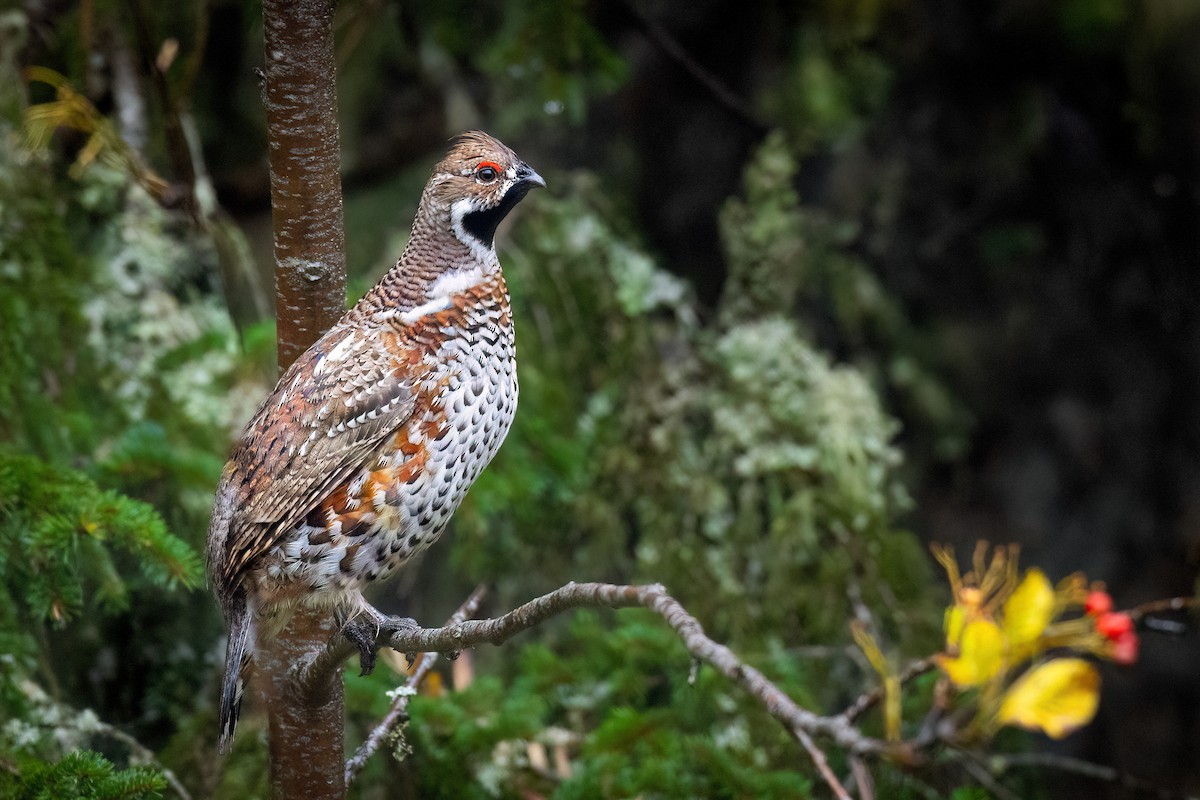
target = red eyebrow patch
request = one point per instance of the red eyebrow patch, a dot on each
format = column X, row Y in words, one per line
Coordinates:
column 491, row 164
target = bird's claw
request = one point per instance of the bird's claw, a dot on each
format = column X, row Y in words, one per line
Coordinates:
column 361, row 634
column 390, row 625
column 366, row 636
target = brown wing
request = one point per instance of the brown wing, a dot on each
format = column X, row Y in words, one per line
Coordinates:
column 331, row 411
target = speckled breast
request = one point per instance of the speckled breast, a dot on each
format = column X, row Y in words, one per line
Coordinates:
column 463, row 363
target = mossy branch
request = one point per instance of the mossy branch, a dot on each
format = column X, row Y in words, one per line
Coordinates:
column 310, row 675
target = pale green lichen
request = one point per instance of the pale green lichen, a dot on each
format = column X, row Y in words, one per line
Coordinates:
column 143, row 311
column 763, row 237
column 735, row 461
column 509, row 758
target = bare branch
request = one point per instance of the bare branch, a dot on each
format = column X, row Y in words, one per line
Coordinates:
column 822, row 764
column 177, row 148
column 315, row 671
column 398, row 713
column 801, row 723
column 723, row 95
column 861, row 612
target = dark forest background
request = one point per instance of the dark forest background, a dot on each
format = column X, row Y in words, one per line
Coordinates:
column 814, row 284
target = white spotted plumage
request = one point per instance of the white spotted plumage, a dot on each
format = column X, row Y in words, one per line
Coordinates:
column 372, row 438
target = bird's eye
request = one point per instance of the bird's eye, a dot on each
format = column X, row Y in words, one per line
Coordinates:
column 487, row 172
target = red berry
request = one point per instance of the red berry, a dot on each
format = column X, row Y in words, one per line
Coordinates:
column 1113, row 626
column 1098, row 603
column 1125, row 649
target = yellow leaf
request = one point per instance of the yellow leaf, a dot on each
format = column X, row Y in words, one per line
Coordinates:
column 866, row 642
column 1056, row 697
column 891, row 707
column 891, row 684
column 953, row 622
column 980, row 654
column 945, row 557
column 1029, row 609
column 433, row 686
column 88, row 153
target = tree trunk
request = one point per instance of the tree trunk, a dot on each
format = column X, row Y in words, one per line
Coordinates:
column 306, row 186
column 306, row 731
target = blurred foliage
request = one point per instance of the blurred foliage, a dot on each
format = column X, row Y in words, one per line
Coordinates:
column 619, row 700
column 733, row 462
column 538, row 58
column 67, row 548
column 84, row 775
column 72, row 111
column 117, row 368
column 729, row 459
column 56, row 534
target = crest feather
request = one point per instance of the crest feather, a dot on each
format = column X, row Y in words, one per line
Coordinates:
column 473, row 146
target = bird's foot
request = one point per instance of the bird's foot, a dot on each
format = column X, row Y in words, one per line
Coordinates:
column 365, row 634
column 361, row 634
column 390, row 626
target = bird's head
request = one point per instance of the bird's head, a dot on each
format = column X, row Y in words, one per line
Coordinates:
column 478, row 182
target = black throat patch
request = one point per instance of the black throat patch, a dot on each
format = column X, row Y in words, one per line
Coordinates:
column 482, row 224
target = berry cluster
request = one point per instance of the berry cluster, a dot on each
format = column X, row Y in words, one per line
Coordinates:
column 1115, row 626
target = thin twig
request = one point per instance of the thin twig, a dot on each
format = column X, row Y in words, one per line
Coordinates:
column 1162, row 606
column 177, row 148
column 314, row 672
column 398, row 713
column 195, row 59
column 861, row 612
column 865, row 702
column 916, row 783
column 999, row 764
column 720, row 92
column 822, row 764
column 862, row 778
column 980, row 772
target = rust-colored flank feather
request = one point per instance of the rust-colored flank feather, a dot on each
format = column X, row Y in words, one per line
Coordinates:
column 361, row 454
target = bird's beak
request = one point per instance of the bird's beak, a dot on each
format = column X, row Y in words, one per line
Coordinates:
column 526, row 175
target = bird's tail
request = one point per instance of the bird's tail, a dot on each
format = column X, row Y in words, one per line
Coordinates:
column 237, row 660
